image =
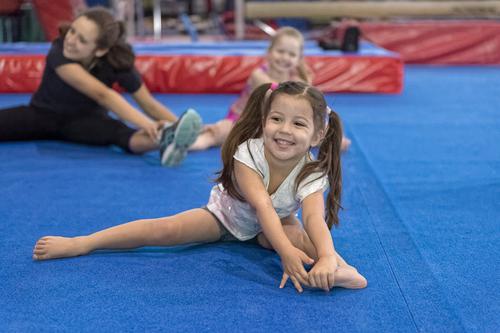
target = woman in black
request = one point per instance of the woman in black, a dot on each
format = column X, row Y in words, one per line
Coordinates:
column 76, row 92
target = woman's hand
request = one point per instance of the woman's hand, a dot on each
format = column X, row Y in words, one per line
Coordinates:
column 293, row 261
column 322, row 275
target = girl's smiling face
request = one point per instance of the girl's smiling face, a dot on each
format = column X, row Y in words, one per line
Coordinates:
column 80, row 41
column 289, row 130
column 284, row 56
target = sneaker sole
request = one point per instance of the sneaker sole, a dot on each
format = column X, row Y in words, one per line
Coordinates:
column 185, row 134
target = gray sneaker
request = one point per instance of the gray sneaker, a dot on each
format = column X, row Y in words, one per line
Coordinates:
column 176, row 138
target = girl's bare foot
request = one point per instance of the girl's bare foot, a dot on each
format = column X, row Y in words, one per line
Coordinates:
column 348, row 277
column 345, row 143
column 52, row 247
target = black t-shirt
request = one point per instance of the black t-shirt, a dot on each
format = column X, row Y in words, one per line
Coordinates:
column 56, row 95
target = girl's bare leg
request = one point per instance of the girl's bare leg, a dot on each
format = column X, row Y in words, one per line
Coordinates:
column 346, row 143
column 346, row 276
column 193, row 226
column 213, row 135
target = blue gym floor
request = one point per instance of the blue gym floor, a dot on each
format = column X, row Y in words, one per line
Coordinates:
column 421, row 222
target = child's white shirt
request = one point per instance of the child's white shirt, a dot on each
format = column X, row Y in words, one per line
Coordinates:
column 239, row 218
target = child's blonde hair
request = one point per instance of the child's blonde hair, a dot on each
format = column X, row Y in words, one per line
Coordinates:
column 303, row 70
column 251, row 123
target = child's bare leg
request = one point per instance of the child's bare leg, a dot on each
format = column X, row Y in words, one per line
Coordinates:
column 206, row 139
column 213, row 135
column 346, row 142
column 346, row 276
column 193, row 226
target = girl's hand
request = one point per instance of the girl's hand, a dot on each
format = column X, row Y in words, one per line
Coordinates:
column 293, row 265
column 322, row 275
column 152, row 130
column 161, row 124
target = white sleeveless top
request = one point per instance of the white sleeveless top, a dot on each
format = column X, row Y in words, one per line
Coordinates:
column 239, row 218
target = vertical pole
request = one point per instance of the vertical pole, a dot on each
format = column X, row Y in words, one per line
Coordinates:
column 239, row 19
column 157, row 19
column 139, row 9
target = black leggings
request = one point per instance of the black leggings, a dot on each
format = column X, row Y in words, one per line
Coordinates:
column 23, row 123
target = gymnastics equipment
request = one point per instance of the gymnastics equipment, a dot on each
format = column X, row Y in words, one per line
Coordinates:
column 327, row 10
column 221, row 67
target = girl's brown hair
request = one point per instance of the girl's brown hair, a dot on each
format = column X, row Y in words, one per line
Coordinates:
column 111, row 37
column 303, row 70
column 250, row 125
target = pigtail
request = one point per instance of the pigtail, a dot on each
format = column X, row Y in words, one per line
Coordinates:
column 329, row 158
column 248, row 126
column 328, row 163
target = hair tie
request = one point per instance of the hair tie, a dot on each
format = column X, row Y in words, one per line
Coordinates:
column 272, row 87
column 328, row 113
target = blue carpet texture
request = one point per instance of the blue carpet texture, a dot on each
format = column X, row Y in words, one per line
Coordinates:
column 421, row 222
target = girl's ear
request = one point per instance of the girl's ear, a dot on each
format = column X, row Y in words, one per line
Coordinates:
column 101, row 52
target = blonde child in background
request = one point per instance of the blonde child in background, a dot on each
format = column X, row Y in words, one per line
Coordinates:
column 268, row 174
column 284, row 62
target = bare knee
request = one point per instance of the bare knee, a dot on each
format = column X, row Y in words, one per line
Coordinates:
column 294, row 233
column 299, row 238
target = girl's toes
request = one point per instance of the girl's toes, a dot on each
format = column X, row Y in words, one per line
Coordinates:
column 362, row 282
column 41, row 243
column 39, row 250
column 40, row 256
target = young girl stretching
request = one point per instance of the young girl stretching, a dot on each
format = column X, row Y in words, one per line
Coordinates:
column 284, row 62
column 268, row 174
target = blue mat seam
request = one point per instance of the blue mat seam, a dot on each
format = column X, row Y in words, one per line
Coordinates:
column 389, row 262
column 376, row 179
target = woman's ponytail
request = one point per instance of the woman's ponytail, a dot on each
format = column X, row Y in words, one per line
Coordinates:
column 120, row 55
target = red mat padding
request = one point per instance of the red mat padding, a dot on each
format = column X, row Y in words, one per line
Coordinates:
column 52, row 13
column 438, row 42
column 228, row 74
column 224, row 74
